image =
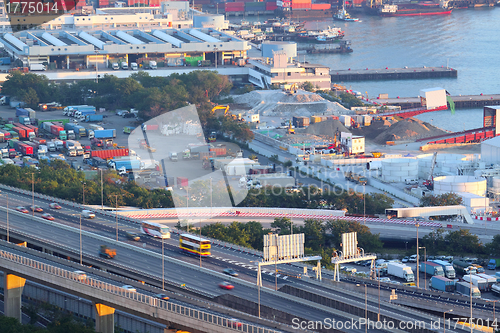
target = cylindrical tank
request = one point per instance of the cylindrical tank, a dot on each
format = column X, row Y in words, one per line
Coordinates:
column 215, row 21
column 496, row 183
column 289, row 47
column 456, row 184
column 399, row 169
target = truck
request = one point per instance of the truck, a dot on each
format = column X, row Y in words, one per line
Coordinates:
column 70, row 134
column 354, row 177
column 124, row 65
column 441, row 283
column 173, row 156
column 477, row 281
column 463, row 267
column 401, row 271
column 115, row 66
column 110, row 153
column 41, row 151
column 24, row 120
column 59, row 144
column 493, row 264
column 133, row 66
column 465, row 289
column 431, row 268
column 93, row 117
column 479, row 268
column 37, row 67
column 5, row 61
column 150, row 127
column 495, row 289
column 490, row 280
column 67, row 110
column 49, row 106
column 96, row 162
column 118, row 164
column 106, row 252
column 127, row 130
column 96, row 127
column 51, row 146
column 152, row 64
column 105, row 134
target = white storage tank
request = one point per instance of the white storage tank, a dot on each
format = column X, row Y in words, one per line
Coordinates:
column 456, row 184
column 290, row 49
column 217, row 22
column 399, row 169
column 496, row 183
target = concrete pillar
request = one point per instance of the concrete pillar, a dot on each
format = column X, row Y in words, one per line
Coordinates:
column 13, row 290
column 104, row 319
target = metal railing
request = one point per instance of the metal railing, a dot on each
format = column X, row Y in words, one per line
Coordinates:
column 135, row 296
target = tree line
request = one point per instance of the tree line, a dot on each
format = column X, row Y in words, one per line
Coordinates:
column 152, row 96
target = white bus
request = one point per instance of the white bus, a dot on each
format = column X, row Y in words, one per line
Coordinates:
column 155, row 229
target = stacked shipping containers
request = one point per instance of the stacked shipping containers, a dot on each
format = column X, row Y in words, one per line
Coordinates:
column 301, row 4
column 320, row 6
column 300, row 121
column 271, row 6
column 255, row 6
column 234, row 6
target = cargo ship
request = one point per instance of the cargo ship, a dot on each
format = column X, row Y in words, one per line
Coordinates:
column 414, row 9
column 303, row 9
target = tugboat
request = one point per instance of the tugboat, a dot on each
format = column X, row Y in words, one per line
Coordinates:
column 343, row 15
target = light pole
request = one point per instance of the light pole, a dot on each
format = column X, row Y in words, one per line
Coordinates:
column 444, row 319
column 83, row 191
column 378, row 317
column 33, row 193
column 425, row 259
column 96, row 72
column 418, row 272
column 162, row 264
column 494, row 317
column 81, row 255
column 211, row 204
column 7, row 195
column 215, row 50
column 116, row 215
column 470, row 292
column 364, row 205
column 102, row 190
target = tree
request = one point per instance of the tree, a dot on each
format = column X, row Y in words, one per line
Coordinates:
column 435, row 241
column 307, row 86
column 445, row 199
column 462, row 242
column 368, row 241
column 493, row 248
column 284, row 225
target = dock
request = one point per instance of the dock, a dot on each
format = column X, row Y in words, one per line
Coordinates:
column 461, row 101
column 391, row 74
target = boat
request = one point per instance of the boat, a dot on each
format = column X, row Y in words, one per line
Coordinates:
column 343, row 15
column 415, row 9
column 320, row 36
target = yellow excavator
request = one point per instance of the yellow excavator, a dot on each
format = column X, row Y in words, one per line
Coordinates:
column 290, row 129
column 221, row 107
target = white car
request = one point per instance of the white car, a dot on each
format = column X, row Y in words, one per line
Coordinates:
column 129, row 288
column 405, row 260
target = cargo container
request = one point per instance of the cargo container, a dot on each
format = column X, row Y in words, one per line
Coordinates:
column 104, row 134
column 26, row 150
column 271, row 6
column 39, row 141
column 62, row 121
column 401, row 271
column 132, row 164
column 345, row 120
column 24, row 120
column 300, row 121
column 431, row 268
column 219, row 151
column 22, row 112
column 441, row 283
column 110, row 153
column 495, row 289
column 93, row 117
column 490, row 280
column 33, row 128
column 463, row 267
column 23, row 135
column 477, row 281
column 54, row 129
column 320, row 6
column 150, row 127
column 464, row 288
column 182, row 181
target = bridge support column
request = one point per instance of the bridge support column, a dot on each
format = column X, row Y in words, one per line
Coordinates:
column 13, row 290
column 104, row 319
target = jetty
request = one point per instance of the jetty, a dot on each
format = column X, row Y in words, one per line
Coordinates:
column 392, row 73
column 461, row 101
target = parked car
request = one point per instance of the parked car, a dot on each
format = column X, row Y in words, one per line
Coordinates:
column 405, row 259
column 449, row 258
column 47, row 216
column 230, row 271
column 22, row 209
column 430, row 258
column 226, row 285
column 54, row 205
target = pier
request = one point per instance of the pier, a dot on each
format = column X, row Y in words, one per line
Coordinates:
column 392, row 74
column 461, row 101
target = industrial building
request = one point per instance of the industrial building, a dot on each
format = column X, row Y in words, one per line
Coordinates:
column 66, row 49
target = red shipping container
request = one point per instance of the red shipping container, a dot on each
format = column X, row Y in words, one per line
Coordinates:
column 56, row 129
column 21, row 132
column 26, row 149
column 154, row 3
column 109, row 153
column 219, row 151
column 301, row 6
column 320, row 6
column 182, row 181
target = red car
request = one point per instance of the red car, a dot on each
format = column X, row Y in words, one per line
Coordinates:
column 233, row 322
column 47, row 216
column 54, row 205
column 22, row 209
column 36, row 208
column 226, row 285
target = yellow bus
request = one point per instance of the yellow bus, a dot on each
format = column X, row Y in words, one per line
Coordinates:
column 194, row 245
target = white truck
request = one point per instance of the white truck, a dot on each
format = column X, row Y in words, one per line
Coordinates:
column 477, row 281
column 37, row 67
column 152, row 65
column 133, row 66
column 124, row 65
column 173, row 157
column 115, row 66
column 401, row 271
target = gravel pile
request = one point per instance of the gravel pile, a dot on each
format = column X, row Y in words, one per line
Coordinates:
column 408, row 129
column 326, row 128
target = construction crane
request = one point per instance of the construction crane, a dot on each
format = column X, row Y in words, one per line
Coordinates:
column 429, row 183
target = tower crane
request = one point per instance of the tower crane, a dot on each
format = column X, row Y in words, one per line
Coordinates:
column 429, row 183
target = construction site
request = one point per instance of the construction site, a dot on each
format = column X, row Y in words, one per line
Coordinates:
column 386, row 149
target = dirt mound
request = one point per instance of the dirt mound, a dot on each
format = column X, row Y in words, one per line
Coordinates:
column 408, row 129
column 371, row 132
column 326, row 128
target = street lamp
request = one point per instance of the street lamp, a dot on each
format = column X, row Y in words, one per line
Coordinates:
column 33, row 193
column 81, row 254
column 102, row 189
column 418, row 272
column 494, row 317
column 444, row 319
column 116, row 215
column 378, row 317
column 425, row 259
column 162, row 263
column 364, row 205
